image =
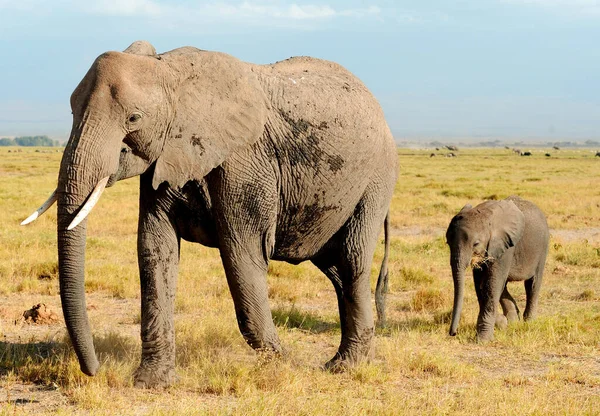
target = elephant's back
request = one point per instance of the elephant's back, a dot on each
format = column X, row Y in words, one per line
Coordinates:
column 535, row 218
column 300, row 66
column 324, row 100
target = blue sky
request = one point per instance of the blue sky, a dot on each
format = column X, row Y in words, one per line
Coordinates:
column 507, row 69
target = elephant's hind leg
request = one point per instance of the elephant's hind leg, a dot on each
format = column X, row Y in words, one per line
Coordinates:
column 328, row 264
column 532, row 289
column 509, row 306
column 532, row 292
column 350, row 273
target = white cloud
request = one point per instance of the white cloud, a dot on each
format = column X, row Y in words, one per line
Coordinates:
column 226, row 10
column 125, row 7
column 579, row 7
column 21, row 6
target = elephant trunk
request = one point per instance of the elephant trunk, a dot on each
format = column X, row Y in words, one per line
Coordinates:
column 458, row 263
column 82, row 167
column 71, row 267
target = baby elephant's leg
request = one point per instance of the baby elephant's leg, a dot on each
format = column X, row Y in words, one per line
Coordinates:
column 509, row 306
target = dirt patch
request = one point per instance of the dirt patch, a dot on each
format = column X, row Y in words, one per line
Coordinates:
column 44, row 322
column 591, row 234
column 40, row 314
column 31, row 398
column 106, row 313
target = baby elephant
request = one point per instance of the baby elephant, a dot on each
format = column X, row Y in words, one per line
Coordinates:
column 504, row 241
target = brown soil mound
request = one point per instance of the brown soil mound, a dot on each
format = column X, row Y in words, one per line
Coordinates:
column 40, row 314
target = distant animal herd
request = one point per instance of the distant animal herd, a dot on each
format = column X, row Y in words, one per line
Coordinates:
column 517, row 151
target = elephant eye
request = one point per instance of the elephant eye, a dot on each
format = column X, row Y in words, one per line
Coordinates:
column 476, row 244
column 134, row 117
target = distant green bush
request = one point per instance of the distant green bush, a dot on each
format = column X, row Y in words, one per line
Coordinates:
column 30, row 141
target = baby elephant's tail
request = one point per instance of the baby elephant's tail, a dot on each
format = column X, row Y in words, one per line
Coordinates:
column 382, row 280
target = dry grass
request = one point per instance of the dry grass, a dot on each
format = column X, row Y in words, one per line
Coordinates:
column 546, row 366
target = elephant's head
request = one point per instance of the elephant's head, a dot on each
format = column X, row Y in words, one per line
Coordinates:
column 477, row 235
column 181, row 113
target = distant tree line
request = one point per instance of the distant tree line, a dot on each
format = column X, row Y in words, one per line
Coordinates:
column 30, row 141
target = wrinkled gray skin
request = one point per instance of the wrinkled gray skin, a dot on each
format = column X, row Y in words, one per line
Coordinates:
column 291, row 161
column 513, row 235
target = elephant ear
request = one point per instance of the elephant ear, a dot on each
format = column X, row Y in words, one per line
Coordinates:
column 507, row 225
column 141, row 47
column 455, row 220
column 220, row 108
column 466, row 208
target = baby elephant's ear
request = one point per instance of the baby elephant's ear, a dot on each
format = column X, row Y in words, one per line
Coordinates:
column 507, row 223
column 220, row 108
column 466, row 208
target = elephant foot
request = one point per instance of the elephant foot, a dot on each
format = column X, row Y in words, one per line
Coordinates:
column 512, row 317
column 484, row 338
column 501, row 322
column 345, row 360
column 268, row 355
column 155, row 377
column 265, row 344
column 338, row 364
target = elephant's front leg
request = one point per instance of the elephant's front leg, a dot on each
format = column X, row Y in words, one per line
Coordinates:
column 246, row 270
column 158, row 257
column 245, row 200
column 491, row 283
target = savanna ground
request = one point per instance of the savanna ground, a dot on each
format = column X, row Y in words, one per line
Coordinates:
column 547, row 366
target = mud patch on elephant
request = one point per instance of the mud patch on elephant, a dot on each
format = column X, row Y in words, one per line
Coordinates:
column 299, row 126
column 304, row 148
column 301, row 221
column 335, row 162
column 197, row 142
column 253, row 202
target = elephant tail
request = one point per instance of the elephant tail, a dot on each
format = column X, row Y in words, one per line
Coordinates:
column 382, row 280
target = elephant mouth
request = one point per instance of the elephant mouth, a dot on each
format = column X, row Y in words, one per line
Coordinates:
column 480, row 260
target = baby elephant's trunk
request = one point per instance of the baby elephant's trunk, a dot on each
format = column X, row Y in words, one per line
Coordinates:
column 458, row 264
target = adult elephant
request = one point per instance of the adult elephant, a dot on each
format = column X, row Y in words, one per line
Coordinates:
column 291, row 161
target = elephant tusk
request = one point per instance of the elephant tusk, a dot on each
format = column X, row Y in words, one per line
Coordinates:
column 49, row 202
column 87, row 207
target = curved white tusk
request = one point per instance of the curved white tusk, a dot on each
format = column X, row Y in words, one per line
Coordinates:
column 87, row 207
column 49, row 202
